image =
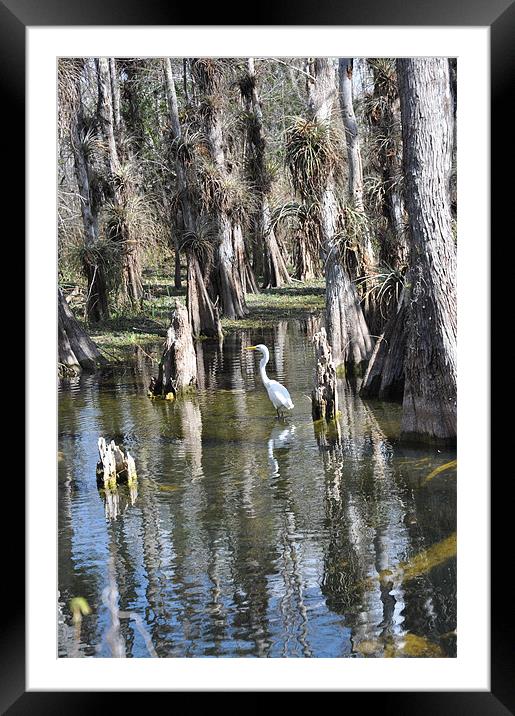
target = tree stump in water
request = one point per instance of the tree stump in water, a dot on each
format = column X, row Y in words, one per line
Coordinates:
column 76, row 350
column 114, row 467
column 178, row 366
column 324, row 397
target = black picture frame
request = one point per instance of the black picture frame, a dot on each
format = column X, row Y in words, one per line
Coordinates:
column 499, row 15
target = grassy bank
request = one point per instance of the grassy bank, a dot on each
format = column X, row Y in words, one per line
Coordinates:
column 148, row 326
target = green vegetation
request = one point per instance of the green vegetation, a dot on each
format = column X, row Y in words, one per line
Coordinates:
column 147, row 327
column 296, row 300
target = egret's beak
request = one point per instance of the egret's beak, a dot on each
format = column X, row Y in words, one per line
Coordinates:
column 250, row 348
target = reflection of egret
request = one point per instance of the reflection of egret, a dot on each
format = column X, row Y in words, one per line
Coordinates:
column 279, row 438
column 277, row 393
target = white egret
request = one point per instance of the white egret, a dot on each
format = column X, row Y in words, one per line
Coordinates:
column 277, row 393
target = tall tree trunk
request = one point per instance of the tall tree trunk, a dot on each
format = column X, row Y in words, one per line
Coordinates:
column 115, row 89
column 132, row 288
column 76, row 350
column 394, row 251
column 347, row 330
column 275, row 273
column 202, row 313
column 429, row 405
column 384, row 378
column 177, row 276
column 97, row 306
column 185, row 79
column 244, row 269
column 346, row 327
column 226, row 279
column 173, row 113
column 366, row 259
column 305, row 263
column 351, row 134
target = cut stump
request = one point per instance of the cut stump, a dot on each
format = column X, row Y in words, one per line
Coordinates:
column 178, row 366
column 324, row 396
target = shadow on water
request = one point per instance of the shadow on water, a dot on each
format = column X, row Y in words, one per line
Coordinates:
column 248, row 535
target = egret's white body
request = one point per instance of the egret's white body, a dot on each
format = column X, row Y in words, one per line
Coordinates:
column 278, row 394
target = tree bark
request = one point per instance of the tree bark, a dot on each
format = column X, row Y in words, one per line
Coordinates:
column 244, row 269
column 321, row 88
column 351, row 134
column 303, row 260
column 97, row 305
column 429, row 405
column 346, row 327
column 366, row 259
column 132, row 288
column 324, row 396
column 173, row 113
column 275, row 273
column 384, row 378
column 203, row 315
column 76, row 350
column 394, row 250
column 115, row 89
column 226, row 279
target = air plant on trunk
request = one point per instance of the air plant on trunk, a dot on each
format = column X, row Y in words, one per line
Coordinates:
column 387, row 284
column 312, row 160
column 231, row 274
column 199, row 246
column 201, row 242
column 313, row 157
column 123, row 220
column 69, row 75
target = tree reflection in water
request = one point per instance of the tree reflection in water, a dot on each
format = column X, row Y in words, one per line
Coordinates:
column 250, row 536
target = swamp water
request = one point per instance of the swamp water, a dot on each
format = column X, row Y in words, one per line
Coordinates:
column 246, row 535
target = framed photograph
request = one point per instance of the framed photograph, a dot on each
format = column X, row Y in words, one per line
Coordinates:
column 348, row 556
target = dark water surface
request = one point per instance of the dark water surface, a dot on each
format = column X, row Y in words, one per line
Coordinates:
column 247, row 536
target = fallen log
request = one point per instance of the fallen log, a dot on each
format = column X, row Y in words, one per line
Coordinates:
column 324, row 396
column 114, row 467
column 177, row 371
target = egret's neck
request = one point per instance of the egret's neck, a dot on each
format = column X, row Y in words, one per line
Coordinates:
column 262, row 363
